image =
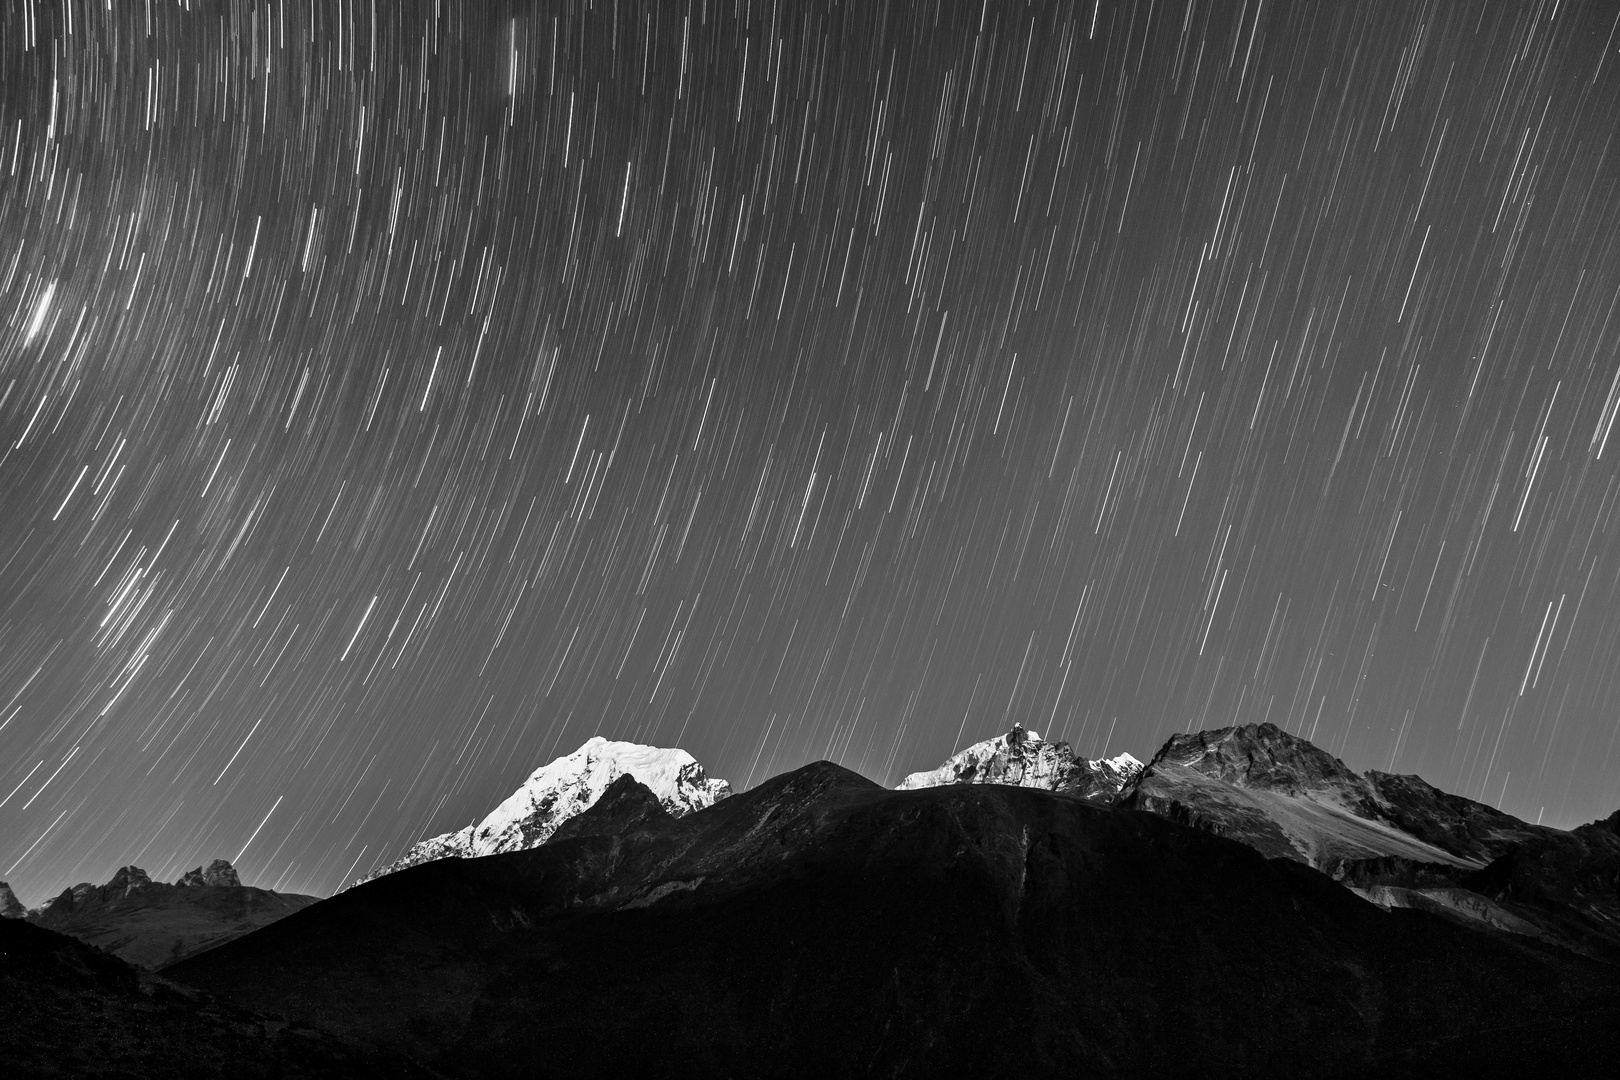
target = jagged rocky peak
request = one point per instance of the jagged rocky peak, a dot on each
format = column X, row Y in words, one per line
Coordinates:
column 1021, row 758
column 128, row 879
column 566, row 787
column 10, row 906
column 218, row 872
column 1608, row 824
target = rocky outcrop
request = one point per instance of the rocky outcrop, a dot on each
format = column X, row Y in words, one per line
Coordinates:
column 218, row 872
column 126, row 882
column 1021, row 758
column 10, row 906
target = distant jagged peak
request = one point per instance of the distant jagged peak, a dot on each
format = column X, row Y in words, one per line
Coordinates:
column 564, row 788
column 1123, row 763
column 129, row 880
column 1021, row 758
column 218, row 872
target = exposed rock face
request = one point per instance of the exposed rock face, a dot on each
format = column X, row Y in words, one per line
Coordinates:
column 10, row 906
column 1102, row 780
column 1287, row 798
column 1567, row 883
column 1463, row 827
column 1021, row 758
column 150, row 924
column 1608, row 824
column 566, row 787
column 126, row 882
column 1397, row 841
column 1261, row 757
column 218, row 872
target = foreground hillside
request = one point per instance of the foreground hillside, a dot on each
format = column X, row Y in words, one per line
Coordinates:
column 74, row 1011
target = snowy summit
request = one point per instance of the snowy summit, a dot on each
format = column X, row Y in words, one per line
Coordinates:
column 568, row 786
column 1022, row 759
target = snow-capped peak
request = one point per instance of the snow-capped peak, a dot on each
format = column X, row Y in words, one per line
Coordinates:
column 1019, row 758
column 568, row 786
column 556, row 792
column 1125, row 765
column 1022, row 758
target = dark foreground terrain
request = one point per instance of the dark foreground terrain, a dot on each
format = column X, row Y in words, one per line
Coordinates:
column 820, row 925
column 71, row 1010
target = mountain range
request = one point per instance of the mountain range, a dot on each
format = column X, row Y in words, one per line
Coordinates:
column 149, row 923
column 1242, row 904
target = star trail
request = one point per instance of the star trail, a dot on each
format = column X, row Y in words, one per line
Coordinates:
column 395, row 395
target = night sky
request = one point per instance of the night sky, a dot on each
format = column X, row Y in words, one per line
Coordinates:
column 395, row 395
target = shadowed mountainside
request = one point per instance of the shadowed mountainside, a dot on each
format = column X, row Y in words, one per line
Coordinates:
column 820, row 925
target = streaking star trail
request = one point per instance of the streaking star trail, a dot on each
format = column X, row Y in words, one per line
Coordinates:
column 395, row 396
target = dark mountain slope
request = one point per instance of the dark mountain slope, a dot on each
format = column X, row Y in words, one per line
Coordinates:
column 74, row 1011
column 820, row 925
column 626, row 806
column 1568, row 883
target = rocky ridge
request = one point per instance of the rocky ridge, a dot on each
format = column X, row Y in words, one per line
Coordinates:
column 150, row 923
